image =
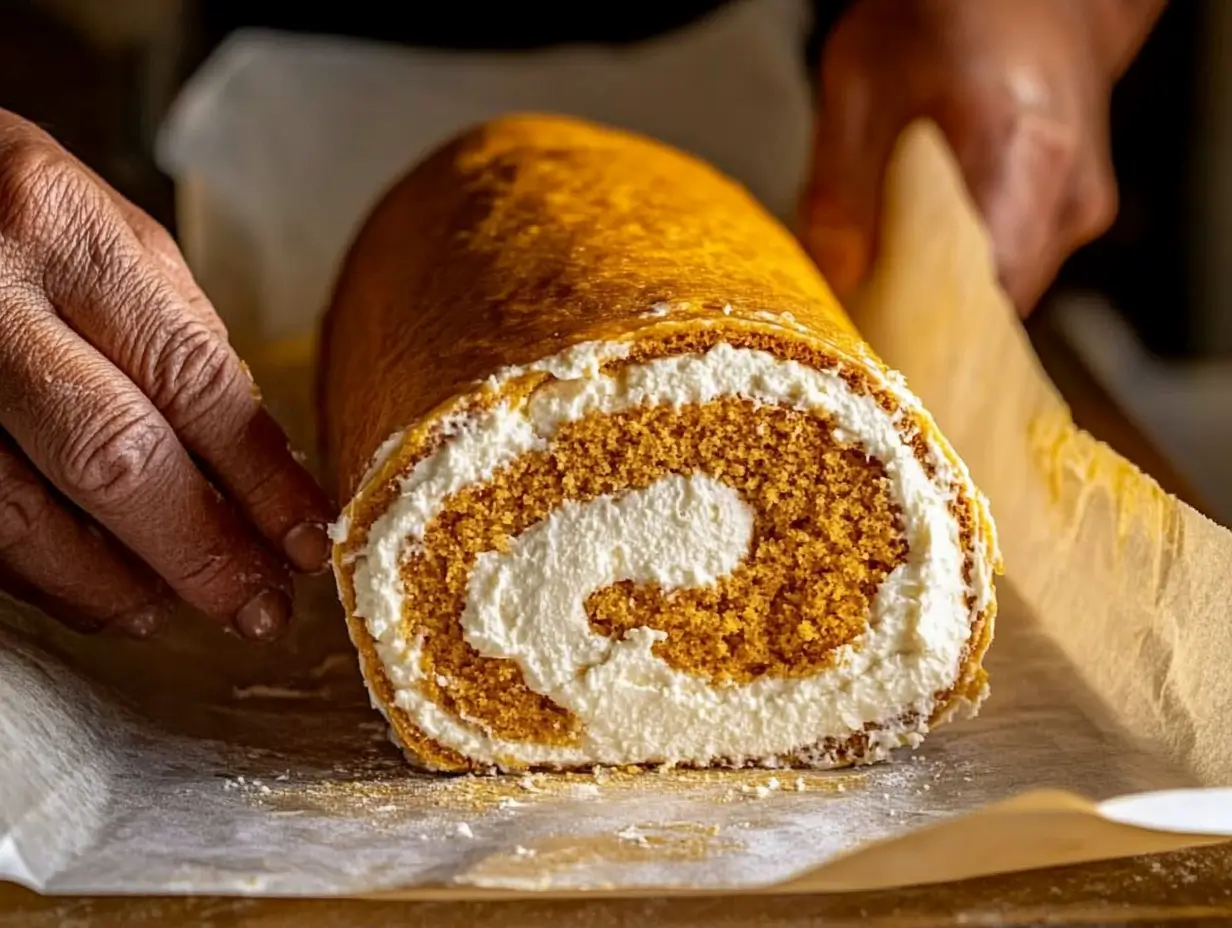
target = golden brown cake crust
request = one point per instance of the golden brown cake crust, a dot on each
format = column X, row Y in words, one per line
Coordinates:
column 524, row 237
column 531, row 235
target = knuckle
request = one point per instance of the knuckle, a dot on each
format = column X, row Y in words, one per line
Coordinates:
column 53, row 213
column 218, row 578
column 266, row 489
column 208, row 570
column 100, row 258
column 32, row 178
column 196, row 380
column 119, row 458
column 1097, row 207
column 38, row 187
column 268, row 495
column 24, row 505
column 154, row 237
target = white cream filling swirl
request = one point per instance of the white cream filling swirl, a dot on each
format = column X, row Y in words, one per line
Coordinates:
column 526, row 604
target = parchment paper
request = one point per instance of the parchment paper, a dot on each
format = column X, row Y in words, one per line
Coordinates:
column 203, row 765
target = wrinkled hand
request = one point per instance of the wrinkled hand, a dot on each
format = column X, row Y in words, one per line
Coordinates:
column 136, row 461
column 1021, row 89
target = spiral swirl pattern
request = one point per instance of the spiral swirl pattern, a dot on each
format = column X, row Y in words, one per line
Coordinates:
column 717, row 556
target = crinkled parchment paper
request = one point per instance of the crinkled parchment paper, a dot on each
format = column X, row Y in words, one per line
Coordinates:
column 200, row 764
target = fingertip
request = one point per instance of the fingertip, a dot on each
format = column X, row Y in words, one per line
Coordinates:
column 143, row 622
column 277, row 493
column 1025, row 288
column 308, row 547
column 265, row 617
column 77, row 621
column 841, row 253
column 74, row 616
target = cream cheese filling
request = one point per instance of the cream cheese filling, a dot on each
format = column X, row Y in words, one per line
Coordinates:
column 526, row 604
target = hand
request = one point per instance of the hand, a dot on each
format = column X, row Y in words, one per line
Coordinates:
column 1021, row 89
column 136, row 460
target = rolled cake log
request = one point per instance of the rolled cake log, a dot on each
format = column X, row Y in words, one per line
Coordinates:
column 625, row 484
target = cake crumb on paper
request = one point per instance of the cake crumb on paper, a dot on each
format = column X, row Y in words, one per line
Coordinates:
column 332, row 663
column 762, row 790
column 633, row 835
column 530, row 784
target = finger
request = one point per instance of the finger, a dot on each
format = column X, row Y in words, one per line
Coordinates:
column 852, row 145
column 1016, row 167
column 106, row 290
column 104, row 446
column 1092, row 199
column 163, row 248
column 1084, row 210
column 38, row 161
column 57, row 561
column 159, row 244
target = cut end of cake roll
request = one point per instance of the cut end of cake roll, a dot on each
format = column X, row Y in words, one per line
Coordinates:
column 706, row 545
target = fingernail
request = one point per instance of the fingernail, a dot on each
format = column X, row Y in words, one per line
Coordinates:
column 308, row 546
column 840, row 253
column 265, row 616
column 143, row 622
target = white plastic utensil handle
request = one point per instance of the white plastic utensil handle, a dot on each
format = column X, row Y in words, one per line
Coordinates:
column 1189, row 811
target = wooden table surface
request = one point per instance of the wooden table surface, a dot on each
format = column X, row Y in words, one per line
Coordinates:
column 1183, row 888
column 1186, row 888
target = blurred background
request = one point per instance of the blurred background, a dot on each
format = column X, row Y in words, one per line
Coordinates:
column 1137, row 332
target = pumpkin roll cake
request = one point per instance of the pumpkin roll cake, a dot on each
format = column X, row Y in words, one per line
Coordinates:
column 625, row 485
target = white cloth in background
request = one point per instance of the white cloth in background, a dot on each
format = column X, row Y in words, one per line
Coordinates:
column 281, row 143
